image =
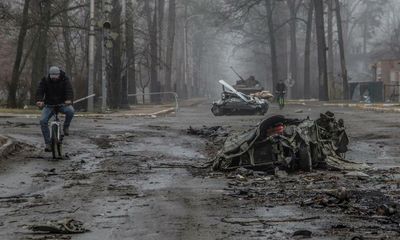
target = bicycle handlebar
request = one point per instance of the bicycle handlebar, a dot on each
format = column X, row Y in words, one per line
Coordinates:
column 56, row 105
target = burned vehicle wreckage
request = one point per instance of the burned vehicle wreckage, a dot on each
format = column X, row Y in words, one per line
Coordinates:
column 233, row 102
column 289, row 144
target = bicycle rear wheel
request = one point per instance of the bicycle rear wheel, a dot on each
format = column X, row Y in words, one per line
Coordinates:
column 59, row 149
column 54, row 141
column 281, row 102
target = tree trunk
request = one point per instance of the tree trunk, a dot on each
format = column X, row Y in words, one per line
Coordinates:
column 186, row 54
column 130, row 48
column 198, row 53
column 307, row 76
column 281, row 40
column 152, row 28
column 293, row 48
column 331, row 63
column 39, row 67
column 13, row 87
column 322, row 65
column 98, row 56
column 346, row 94
column 124, row 79
column 180, row 61
column 116, row 53
column 161, row 9
column 272, row 43
column 160, row 39
column 67, row 40
column 170, row 43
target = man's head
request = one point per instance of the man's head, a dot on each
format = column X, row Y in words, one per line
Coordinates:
column 54, row 73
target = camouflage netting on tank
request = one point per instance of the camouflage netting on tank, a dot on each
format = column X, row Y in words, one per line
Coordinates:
column 299, row 145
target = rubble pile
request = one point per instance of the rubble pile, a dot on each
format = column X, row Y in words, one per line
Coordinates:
column 289, row 144
column 267, row 95
column 65, row 226
column 208, row 132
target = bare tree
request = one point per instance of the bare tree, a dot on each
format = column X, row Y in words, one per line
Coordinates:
column 39, row 67
column 293, row 9
column 322, row 65
column 307, row 92
column 342, row 53
column 331, row 63
column 116, row 53
column 67, row 39
column 13, row 86
column 170, row 43
column 161, row 10
column 272, row 42
column 153, row 48
column 131, row 51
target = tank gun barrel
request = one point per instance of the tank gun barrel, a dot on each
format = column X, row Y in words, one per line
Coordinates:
column 237, row 74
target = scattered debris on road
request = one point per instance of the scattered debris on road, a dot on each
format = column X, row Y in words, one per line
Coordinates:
column 66, row 226
column 208, row 132
column 267, row 95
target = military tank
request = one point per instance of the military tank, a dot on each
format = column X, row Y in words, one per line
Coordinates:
column 233, row 102
column 247, row 86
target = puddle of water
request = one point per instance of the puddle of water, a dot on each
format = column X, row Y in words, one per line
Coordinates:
column 372, row 153
column 280, row 212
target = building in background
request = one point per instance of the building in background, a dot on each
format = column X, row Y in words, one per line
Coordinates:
column 387, row 71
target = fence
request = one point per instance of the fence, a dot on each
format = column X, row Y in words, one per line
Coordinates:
column 391, row 92
column 174, row 94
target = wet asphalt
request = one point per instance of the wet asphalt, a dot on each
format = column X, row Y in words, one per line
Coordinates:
column 138, row 178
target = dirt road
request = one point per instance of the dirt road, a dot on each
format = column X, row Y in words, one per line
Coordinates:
column 141, row 178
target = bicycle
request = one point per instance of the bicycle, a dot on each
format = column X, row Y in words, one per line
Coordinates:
column 281, row 99
column 56, row 137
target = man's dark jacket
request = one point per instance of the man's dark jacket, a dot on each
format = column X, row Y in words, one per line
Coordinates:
column 280, row 87
column 54, row 92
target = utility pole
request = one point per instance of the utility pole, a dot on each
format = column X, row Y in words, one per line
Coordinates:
column 91, row 57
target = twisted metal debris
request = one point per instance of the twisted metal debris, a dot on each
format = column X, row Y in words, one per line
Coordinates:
column 291, row 144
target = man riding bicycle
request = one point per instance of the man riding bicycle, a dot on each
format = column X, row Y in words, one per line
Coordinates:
column 55, row 89
column 281, row 87
column 281, row 90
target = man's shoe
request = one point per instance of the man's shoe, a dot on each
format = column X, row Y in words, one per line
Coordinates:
column 47, row 148
column 66, row 131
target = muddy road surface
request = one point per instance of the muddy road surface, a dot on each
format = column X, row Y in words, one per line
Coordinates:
column 145, row 178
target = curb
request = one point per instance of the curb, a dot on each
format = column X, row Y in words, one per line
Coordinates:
column 168, row 110
column 98, row 115
column 386, row 108
column 155, row 114
column 7, row 148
